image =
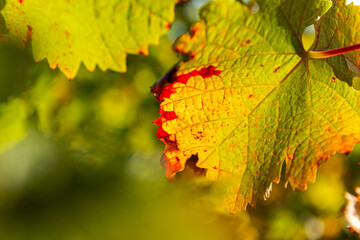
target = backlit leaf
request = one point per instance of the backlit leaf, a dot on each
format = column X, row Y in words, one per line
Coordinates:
column 93, row 32
column 250, row 100
column 339, row 28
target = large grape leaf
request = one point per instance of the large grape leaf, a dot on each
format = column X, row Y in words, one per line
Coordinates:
column 93, row 32
column 250, row 99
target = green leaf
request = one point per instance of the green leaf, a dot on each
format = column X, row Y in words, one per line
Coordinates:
column 93, row 32
column 13, row 116
column 250, row 100
column 338, row 28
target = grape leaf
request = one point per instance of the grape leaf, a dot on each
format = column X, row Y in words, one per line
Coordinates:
column 251, row 99
column 337, row 29
column 93, row 32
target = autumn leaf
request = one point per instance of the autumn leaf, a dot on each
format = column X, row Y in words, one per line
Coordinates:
column 352, row 211
column 93, row 32
column 251, row 99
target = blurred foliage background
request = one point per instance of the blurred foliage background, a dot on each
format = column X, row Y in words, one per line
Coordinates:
column 80, row 161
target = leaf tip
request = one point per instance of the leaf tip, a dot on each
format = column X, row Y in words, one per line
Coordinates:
column 144, row 50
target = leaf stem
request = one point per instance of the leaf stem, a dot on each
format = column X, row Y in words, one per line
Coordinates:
column 334, row 52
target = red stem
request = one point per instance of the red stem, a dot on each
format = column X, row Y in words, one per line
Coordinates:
column 334, row 52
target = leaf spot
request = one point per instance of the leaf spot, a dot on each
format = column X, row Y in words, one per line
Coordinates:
column 168, row 25
column 67, row 34
column 276, row 69
column 28, row 34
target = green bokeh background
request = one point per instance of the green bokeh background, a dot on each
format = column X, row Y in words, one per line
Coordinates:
column 80, row 161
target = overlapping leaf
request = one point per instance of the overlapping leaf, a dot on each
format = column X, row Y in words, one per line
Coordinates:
column 337, row 29
column 351, row 211
column 250, row 100
column 93, row 32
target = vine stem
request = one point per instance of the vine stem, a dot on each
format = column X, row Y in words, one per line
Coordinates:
column 334, row 52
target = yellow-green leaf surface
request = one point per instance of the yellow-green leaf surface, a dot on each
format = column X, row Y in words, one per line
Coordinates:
column 339, row 28
column 93, row 32
column 250, row 100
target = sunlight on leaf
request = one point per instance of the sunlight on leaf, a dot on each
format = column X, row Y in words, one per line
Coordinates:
column 250, row 100
column 338, row 28
column 101, row 33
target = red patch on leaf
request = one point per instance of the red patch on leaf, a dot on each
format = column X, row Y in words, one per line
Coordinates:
column 165, row 116
column 173, row 165
column 217, row 73
column 20, row 1
column 166, row 92
column 168, row 25
column 164, row 135
column 183, row 78
column 351, row 229
column 202, row 72
column 161, row 133
column 208, row 72
column 194, row 73
column 158, row 121
column 169, row 115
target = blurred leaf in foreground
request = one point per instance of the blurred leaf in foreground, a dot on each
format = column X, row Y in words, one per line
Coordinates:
column 93, row 32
